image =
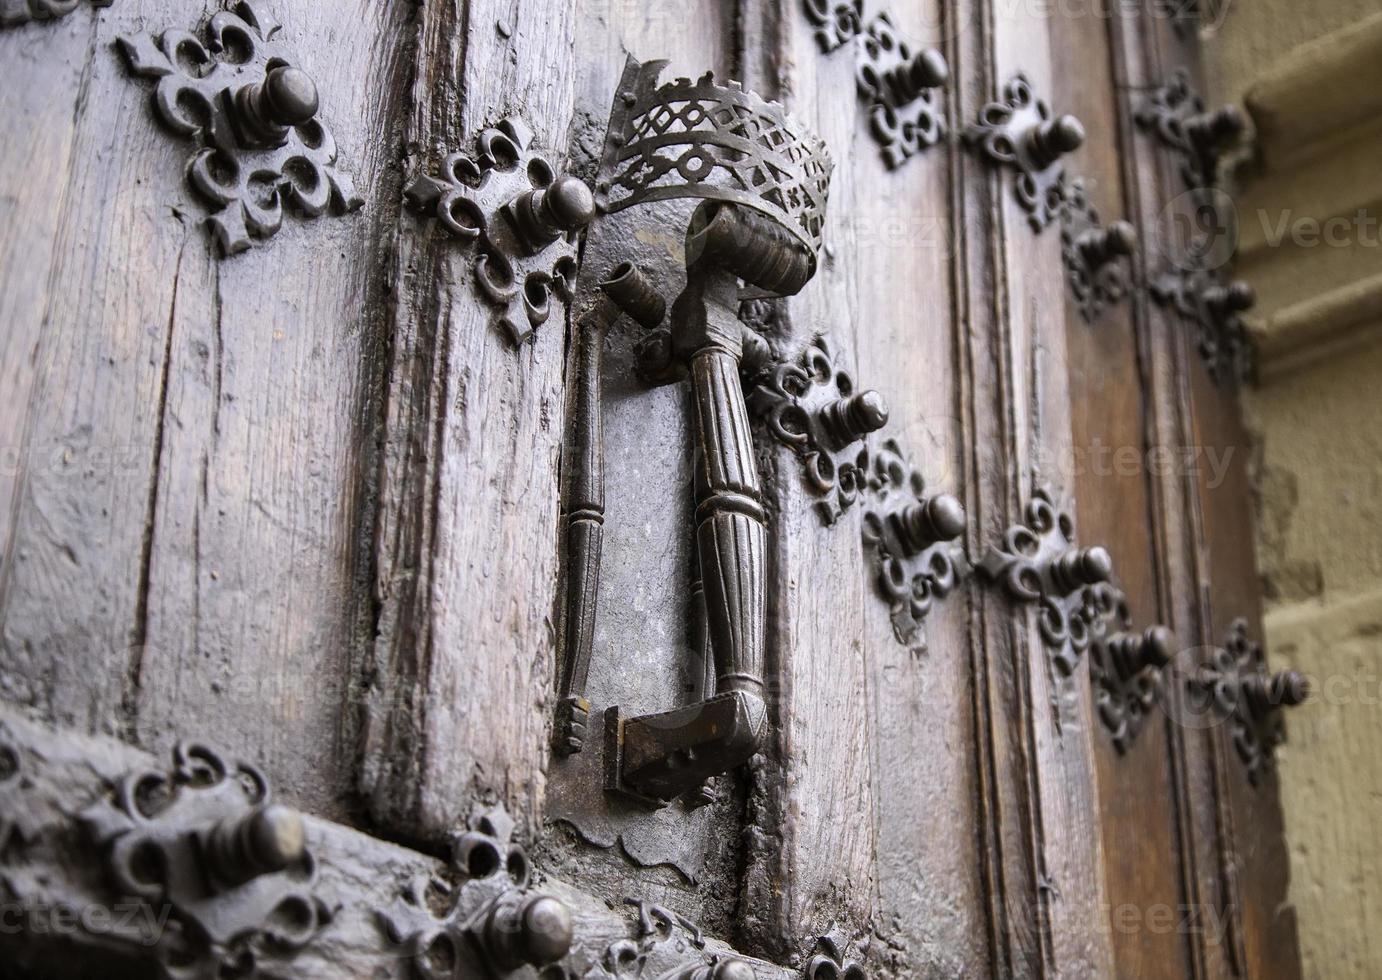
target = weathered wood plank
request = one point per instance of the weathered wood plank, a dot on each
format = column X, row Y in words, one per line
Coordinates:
column 65, row 917
column 1114, row 469
column 261, row 512
column 466, row 552
column 90, row 371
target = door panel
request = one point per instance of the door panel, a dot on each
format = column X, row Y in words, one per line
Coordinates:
column 310, row 501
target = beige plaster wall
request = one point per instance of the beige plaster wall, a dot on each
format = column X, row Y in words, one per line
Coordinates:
column 1317, row 414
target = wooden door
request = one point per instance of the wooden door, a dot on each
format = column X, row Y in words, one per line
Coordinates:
column 310, row 431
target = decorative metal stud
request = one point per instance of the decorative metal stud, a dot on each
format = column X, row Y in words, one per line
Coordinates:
column 830, row 961
column 1184, row 15
column 206, row 842
column 1091, row 252
column 485, row 922
column 254, row 118
column 521, row 217
column 812, row 408
column 899, row 84
column 16, row 12
column 1126, row 671
column 15, row 827
column 910, row 533
column 1020, row 133
column 1212, row 310
column 1249, row 698
column 667, row 945
column 837, row 21
column 1175, row 114
column 1039, row 563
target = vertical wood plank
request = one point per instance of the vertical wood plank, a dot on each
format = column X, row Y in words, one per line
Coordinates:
column 260, row 514
column 466, row 552
column 1114, row 403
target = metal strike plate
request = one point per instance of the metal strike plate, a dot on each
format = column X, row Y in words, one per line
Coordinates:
column 483, row 919
column 1098, row 278
column 1211, row 310
column 16, row 12
column 1175, row 115
column 205, row 843
column 1038, row 563
column 518, row 215
column 1244, row 694
column 1018, row 132
column 1127, row 673
column 261, row 146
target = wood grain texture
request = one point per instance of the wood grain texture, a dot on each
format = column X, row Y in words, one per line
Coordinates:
column 1045, row 802
column 467, row 544
column 1143, row 47
column 196, row 555
column 1114, row 398
column 259, row 539
column 871, row 727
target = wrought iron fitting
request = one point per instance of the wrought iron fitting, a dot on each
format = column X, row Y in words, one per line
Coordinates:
column 264, row 113
column 762, row 181
column 253, row 118
column 847, row 420
column 1175, row 115
column 1039, row 563
column 1052, row 139
column 920, row 525
column 264, row 841
column 1019, row 132
column 1127, row 674
column 1212, row 312
column 518, row 219
column 1091, row 252
column 206, row 842
column 1078, row 567
column 632, row 291
column 1249, row 698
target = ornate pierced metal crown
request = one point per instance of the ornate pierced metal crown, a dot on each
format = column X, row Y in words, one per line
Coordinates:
column 700, row 139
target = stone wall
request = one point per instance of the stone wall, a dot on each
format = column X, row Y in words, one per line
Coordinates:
column 1308, row 208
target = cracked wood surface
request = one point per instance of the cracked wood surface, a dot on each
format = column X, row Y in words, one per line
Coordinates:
column 305, row 500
